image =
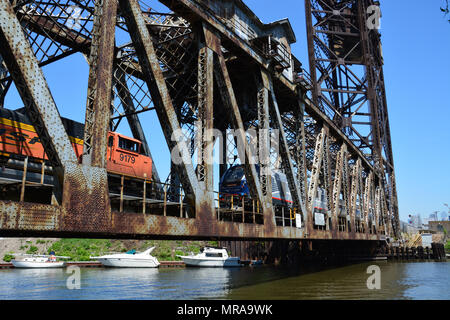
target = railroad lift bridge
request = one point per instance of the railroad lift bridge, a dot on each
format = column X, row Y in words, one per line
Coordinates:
column 202, row 65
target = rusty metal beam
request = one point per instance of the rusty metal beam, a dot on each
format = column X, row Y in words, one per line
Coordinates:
column 155, row 81
column 205, row 134
column 100, row 84
column 338, row 182
column 46, row 220
column 33, row 89
column 315, row 172
column 317, row 114
column 264, row 139
column 354, row 192
column 284, row 148
column 328, row 186
column 300, row 152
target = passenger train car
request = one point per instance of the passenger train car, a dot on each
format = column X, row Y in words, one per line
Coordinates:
column 233, row 182
column 18, row 139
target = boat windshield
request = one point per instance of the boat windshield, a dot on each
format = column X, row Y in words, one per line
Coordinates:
column 214, row 254
column 234, row 175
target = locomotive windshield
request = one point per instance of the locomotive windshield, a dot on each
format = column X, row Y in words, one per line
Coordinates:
column 128, row 145
column 234, row 175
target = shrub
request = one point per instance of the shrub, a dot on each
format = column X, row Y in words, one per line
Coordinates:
column 8, row 257
column 32, row 250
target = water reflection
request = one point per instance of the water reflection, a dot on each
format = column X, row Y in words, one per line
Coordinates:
column 429, row 280
column 425, row 280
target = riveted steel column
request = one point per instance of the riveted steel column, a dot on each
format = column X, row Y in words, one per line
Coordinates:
column 368, row 193
column 300, row 153
column 263, row 147
column 205, row 124
column 284, row 148
column 205, row 112
column 354, row 194
column 100, row 84
column 315, row 173
column 33, row 89
column 328, row 187
column 154, row 78
column 229, row 100
column 338, row 177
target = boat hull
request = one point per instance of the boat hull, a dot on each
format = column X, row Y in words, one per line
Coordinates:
column 128, row 263
column 193, row 262
column 37, row 265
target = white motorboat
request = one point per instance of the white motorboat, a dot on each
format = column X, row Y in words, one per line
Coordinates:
column 37, row 261
column 211, row 257
column 130, row 259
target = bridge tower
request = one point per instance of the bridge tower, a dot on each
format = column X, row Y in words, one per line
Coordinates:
column 346, row 66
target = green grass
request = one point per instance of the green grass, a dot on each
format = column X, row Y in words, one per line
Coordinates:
column 447, row 246
column 82, row 249
column 32, row 250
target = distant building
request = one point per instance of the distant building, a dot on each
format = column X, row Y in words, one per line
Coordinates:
column 415, row 221
column 440, row 226
column 408, row 228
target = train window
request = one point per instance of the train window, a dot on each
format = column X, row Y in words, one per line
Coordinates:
column 110, row 141
column 234, row 174
column 128, row 145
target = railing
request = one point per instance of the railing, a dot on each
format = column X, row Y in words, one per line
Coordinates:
column 238, row 208
column 152, row 197
column 304, row 79
column 20, row 173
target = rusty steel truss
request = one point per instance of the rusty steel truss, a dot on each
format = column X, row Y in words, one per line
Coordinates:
column 198, row 69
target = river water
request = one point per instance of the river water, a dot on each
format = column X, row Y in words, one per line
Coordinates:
column 399, row 280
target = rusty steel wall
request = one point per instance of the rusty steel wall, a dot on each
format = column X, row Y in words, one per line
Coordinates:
column 199, row 74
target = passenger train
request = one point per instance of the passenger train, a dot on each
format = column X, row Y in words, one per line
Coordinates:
column 233, row 182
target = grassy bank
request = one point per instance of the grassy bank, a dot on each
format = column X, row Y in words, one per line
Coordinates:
column 82, row 249
column 447, row 247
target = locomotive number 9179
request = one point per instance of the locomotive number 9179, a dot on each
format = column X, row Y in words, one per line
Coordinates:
column 127, row 158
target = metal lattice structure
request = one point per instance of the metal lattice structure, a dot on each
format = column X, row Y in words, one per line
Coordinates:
column 204, row 65
column 346, row 63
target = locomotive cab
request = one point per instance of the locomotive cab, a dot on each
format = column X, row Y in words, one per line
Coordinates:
column 125, row 156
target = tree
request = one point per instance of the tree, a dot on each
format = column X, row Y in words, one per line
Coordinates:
column 445, row 9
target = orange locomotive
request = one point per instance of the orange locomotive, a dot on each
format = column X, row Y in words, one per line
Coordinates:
column 19, row 138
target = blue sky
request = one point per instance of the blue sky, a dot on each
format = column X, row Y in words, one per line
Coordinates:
column 416, row 47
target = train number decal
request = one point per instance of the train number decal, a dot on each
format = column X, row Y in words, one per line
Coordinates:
column 127, row 158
